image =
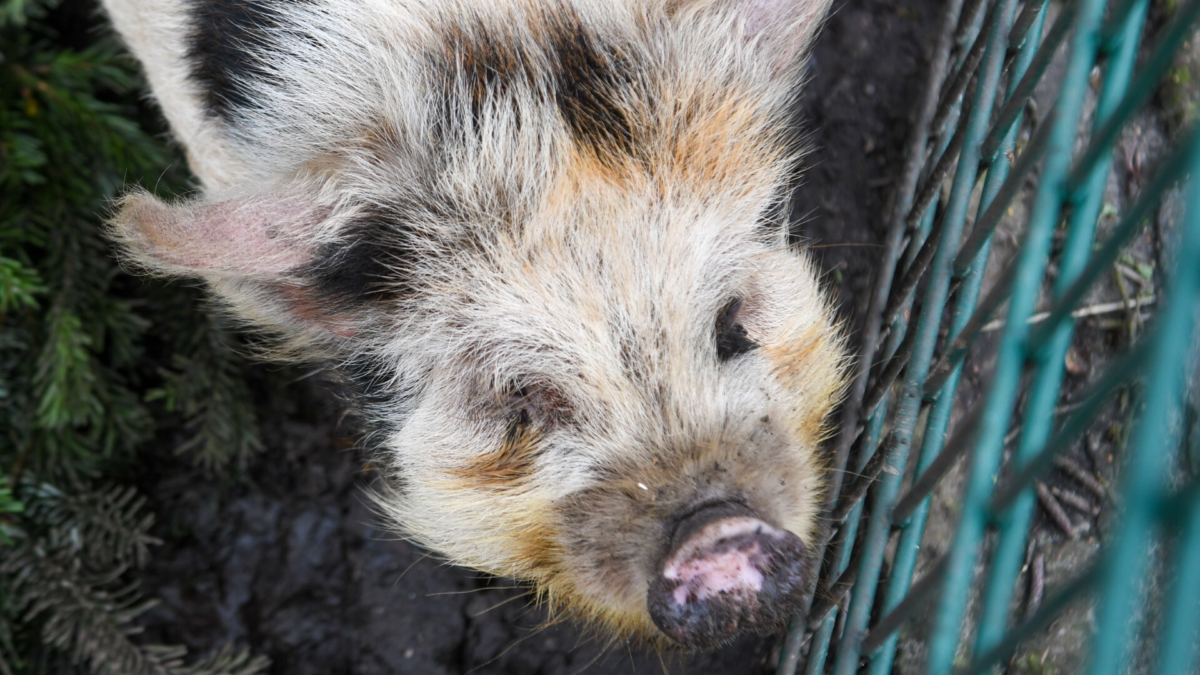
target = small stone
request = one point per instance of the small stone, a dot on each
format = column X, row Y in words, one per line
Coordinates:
column 1075, row 363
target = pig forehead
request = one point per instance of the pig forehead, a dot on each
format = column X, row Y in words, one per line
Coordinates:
column 619, row 271
column 630, row 232
column 610, row 311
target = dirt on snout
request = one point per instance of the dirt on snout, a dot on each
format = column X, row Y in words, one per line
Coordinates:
column 291, row 561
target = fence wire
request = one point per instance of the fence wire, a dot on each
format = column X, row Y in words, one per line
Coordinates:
column 982, row 151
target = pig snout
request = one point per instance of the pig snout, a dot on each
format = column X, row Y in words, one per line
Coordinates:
column 727, row 572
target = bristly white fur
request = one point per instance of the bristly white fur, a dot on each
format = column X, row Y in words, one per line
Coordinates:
column 587, row 279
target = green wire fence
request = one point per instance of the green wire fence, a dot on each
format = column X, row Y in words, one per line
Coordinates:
column 974, row 153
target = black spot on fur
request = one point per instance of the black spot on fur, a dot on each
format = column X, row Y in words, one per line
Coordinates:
column 518, row 426
column 369, row 264
column 731, row 335
column 224, row 34
column 590, row 80
column 586, row 77
column 484, row 68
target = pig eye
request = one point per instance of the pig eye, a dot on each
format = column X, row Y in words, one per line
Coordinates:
column 526, row 404
column 517, row 426
column 731, row 335
column 516, row 406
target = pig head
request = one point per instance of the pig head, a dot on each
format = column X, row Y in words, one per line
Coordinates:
column 546, row 243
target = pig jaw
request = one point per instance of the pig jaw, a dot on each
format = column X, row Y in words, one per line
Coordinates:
column 728, row 572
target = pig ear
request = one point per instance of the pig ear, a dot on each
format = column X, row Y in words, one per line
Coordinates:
column 257, row 237
column 780, row 30
column 257, row 252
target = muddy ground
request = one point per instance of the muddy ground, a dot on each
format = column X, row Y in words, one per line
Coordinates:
column 289, row 561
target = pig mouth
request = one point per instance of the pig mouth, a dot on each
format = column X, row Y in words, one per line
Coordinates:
column 727, row 571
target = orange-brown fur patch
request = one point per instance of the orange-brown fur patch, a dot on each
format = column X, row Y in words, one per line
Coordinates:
column 379, row 141
column 718, row 138
column 508, row 467
column 537, row 552
column 322, row 167
column 707, row 141
column 797, row 365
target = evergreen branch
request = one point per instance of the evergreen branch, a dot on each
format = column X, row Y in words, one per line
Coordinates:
column 77, row 355
column 108, row 527
column 65, row 378
column 85, row 616
column 228, row 661
column 208, row 387
column 19, row 285
column 89, row 617
column 19, row 12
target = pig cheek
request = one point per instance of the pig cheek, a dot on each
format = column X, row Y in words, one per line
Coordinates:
column 786, row 470
column 504, row 483
column 805, row 382
column 507, row 468
column 770, row 463
column 789, row 483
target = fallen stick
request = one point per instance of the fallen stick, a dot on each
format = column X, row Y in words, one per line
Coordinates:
column 1081, row 313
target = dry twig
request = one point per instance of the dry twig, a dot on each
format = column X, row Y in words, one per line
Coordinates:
column 1084, row 312
column 1037, row 584
column 1080, row 474
column 1075, row 501
column 1055, row 510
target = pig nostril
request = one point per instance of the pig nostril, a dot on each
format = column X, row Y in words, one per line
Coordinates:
column 727, row 572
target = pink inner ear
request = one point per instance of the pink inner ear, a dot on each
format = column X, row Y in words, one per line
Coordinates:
column 761, row 15
column 262, row 236
column 783, row 26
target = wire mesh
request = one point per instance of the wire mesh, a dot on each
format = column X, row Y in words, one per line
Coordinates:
column 981, row 151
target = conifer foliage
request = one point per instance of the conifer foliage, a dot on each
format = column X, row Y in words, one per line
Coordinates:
column 96, row 366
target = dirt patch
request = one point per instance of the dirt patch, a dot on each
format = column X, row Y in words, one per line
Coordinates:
column 867, row 72
column 290, row 561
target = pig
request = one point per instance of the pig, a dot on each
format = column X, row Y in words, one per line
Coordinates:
column 546, row 245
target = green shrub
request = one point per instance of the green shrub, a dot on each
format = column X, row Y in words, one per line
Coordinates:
column 94, row 364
